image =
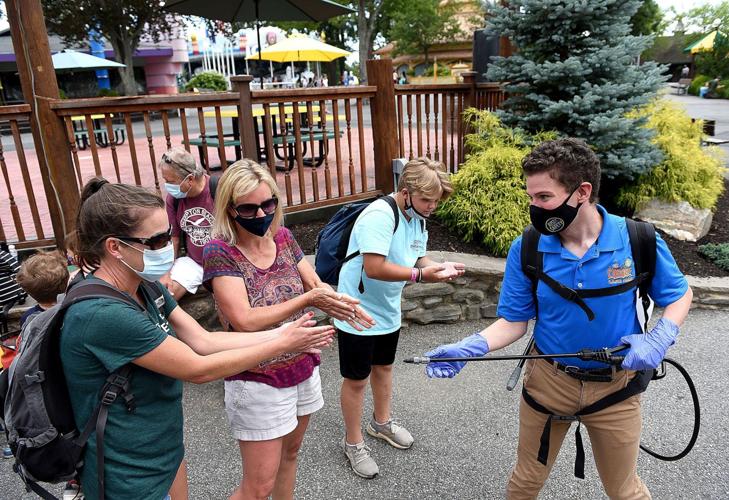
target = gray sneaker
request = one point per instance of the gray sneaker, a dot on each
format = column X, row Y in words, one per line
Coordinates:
column 397, row 435
column 359, row 458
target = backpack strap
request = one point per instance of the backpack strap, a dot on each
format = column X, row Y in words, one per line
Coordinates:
column 642, row 237
column 531, row 259
column 637, row 385
column 396, row 213
column 213, row 185
column 643, row 254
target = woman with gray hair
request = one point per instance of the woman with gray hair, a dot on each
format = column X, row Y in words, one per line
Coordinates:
column 190, row 207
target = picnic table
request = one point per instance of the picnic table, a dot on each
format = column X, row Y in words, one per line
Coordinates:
column 310, row 133
column 100, row 131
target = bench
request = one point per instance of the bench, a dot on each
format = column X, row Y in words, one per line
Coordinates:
column 681, row 86
column 101, row 136
column 713, row 141
column 279, row 141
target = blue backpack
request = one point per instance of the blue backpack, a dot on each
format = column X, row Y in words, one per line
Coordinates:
column 333, row 239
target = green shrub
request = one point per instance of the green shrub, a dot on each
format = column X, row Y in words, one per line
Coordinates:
column 688, row 172
column 107, row 93
column 698, row 82
column 443, row 70
column 489, row 203
column 207, row 80
column 719, row 254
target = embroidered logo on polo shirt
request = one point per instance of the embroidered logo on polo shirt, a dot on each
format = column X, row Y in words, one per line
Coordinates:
column 618, row 273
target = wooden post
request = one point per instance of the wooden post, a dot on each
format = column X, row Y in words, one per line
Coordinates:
column 469, row 78
column 384, row 122
column 242, row 85
column 470, row 101
column 38, row 81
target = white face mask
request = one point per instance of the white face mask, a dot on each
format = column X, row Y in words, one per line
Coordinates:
column 411, row 211
column 156, row 262
column 175, row 190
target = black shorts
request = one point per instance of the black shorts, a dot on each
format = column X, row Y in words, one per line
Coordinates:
column 357, row 353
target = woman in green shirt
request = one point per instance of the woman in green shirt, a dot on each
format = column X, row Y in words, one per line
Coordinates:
column 123, row 234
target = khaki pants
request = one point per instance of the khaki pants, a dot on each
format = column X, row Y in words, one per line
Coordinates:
column 614, row 432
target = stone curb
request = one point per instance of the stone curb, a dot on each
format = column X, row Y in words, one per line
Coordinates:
column 472, row 296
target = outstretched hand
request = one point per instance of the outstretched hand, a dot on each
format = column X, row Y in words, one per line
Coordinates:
column 302, row 335
column 472, row 346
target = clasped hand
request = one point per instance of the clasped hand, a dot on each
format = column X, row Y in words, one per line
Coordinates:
column 341, row 306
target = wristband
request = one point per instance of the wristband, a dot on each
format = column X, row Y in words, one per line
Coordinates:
column 414, row 274
column 420, row 274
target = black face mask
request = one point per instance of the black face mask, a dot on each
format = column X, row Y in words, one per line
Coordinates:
column 256, row 225
column 555, row 220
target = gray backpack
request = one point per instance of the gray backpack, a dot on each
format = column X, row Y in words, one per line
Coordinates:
column 38, row 416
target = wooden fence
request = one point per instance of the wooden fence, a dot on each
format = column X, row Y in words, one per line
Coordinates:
column 24, row 207
column 323, row 146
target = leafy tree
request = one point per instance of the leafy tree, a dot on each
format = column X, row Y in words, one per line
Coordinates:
column 574, row 71
column 648, row 19
column 419, row 24
column 703, row 18
column 122, row 22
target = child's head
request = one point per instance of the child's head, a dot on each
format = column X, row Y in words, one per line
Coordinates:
column 44, row 276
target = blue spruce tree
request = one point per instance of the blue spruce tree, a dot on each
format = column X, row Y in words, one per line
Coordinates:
column 574, row 70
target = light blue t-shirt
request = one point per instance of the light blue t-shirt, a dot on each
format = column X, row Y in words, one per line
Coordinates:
column 562, row 326
column 372, row 233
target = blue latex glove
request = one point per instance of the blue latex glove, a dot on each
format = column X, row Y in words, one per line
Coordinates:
column 648, row 350
column 475, row 345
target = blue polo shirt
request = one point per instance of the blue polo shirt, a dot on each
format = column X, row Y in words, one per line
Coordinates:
column 562, row 326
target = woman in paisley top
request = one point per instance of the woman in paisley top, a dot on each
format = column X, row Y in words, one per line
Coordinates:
column 260, row 279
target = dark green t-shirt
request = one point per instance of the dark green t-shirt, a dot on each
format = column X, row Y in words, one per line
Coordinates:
column 142, row 449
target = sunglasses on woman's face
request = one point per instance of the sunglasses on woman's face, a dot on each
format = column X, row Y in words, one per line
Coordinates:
column 250, row 210
column 153, row 242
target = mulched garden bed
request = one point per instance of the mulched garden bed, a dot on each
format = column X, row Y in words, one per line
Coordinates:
column 686, row 253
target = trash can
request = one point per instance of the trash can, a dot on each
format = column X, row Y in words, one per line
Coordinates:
column 709, row 127
column 398, row 164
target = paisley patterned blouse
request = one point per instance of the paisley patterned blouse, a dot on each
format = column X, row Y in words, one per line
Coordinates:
column 274, row 285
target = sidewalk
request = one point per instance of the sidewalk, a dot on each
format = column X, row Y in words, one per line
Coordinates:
column 466, row 431
column 706, row 109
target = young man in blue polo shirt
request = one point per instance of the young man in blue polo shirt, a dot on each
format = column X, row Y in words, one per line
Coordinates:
column 583, row 247
column 389, row 258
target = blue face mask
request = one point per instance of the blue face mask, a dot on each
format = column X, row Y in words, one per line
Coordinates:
column 175, row 190
column 156, row 262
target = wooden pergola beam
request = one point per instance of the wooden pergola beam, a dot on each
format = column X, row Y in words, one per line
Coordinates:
column 38, row 81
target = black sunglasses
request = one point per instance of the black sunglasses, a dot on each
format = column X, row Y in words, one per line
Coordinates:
column 249, row 210
column 153, row 242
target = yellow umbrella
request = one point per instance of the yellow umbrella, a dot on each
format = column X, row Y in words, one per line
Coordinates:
column 300, row 49
column 703, row 44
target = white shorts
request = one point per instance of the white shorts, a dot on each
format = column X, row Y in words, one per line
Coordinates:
column 259, row 412
column 187, row 273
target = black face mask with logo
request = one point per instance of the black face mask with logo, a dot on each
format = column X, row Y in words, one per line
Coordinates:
column 555, row 220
